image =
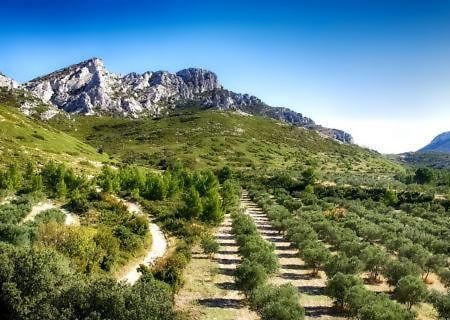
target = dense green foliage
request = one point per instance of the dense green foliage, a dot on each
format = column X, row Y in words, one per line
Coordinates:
column 40, row 284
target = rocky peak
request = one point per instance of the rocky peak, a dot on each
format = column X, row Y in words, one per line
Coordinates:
column 8, row 83
column 441, row 143
column 89, row 88
column 199, row 79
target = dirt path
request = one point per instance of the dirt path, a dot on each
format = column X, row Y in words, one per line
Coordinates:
column 71, row 219
column 210, row 292
column 37, row 209
column 293, row 269
column 7, row 200
column 157, row 249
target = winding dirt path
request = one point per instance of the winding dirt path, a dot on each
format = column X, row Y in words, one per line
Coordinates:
column 293, row 270
column 70, row 218
column 157, row 249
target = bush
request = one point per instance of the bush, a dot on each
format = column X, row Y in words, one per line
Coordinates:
column 250, row 275
column 341, row 263
column 316, row 255
column 209, row 245
column 277, row 303
column 339, row 287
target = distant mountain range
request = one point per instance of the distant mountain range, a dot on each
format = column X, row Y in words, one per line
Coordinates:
column 436, row 154
column 89, row 88
column 440, row 143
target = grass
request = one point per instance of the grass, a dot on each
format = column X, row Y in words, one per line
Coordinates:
column 212, row 139
column 24, row 138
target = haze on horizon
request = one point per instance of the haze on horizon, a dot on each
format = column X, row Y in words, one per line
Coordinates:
column 379, row 70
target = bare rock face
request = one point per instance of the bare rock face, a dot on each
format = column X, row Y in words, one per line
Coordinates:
column 89, row 88
column 8, row 83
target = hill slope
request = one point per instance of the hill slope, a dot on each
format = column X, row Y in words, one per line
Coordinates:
column 211, row 138
column 23, row 138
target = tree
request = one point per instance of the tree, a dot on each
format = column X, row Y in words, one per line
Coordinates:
column 415, row 252
column 37, row 185
column 397, row 269
column 374, row 260
column 308, row 177
column 444, row 274
column 410, row 290
column 192, row 204
column 339, row 287
column 155, row 187
column 249, row 275
column 108, row 180
column 434, row 263
column 224, row 174
column 390, row 197
column 341, row 263
column 442, row 304
column 277, row 303
column 380, row 307
column 61, row 189
column 315, row 255
column 230, row 195
column 423, row 175
column 212, row 207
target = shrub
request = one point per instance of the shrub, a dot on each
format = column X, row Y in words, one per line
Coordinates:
column 277, row 303
column 338, row 288
column 250, row 275
column 209, row 245
column 316, row 255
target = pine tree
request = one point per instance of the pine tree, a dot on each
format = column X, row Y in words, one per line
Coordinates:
column 61, row 189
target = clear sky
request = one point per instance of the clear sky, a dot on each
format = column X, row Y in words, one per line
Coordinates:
column 377, row 69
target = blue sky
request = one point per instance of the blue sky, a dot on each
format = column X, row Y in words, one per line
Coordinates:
column 378, row 69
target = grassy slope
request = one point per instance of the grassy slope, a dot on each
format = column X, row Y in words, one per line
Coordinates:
column 23, row 138
column 214, row 138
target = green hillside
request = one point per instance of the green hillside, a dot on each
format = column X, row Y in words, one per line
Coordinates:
column 211, row 138
column 24, row 138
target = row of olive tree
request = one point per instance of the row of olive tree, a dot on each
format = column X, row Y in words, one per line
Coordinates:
column 258, row 262
column 304, row 236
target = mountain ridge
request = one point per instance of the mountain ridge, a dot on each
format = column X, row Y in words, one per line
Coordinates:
column 440, row 143
column 89, row 88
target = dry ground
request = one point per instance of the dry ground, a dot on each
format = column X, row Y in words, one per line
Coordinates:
column 210, row 292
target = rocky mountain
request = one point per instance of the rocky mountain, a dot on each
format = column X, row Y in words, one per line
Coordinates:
column 440, row 143
column 89, row 88
column 8, row 83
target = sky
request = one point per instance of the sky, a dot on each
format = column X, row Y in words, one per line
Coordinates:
column 378, row 69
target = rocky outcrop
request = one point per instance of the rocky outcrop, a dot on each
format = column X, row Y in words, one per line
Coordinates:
column 8, row 83
column 89, row 88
